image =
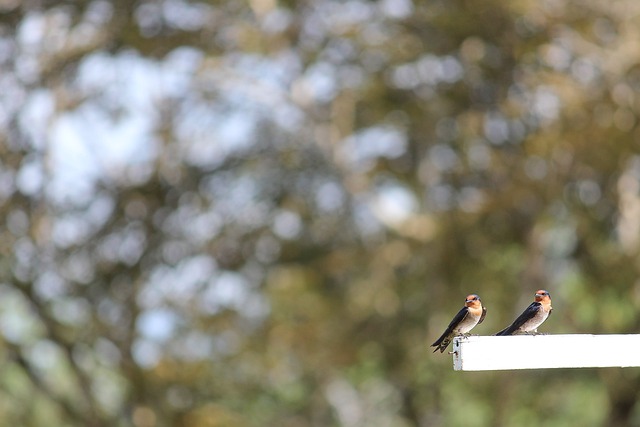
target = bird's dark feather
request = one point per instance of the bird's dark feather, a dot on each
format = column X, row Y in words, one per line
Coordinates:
column 462, row 314
column 484, row 313
column 527, row 314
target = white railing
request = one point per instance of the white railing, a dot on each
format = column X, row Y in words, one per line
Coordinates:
column 491, row 353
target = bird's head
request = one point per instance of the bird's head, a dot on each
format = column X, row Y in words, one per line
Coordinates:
column 473, row 300
column 542, row 295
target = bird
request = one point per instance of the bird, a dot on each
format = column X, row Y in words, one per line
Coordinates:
column 532, row 317
column 468, row 317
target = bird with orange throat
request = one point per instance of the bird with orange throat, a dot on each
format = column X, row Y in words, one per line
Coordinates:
column 468, row 317
column 532, row 317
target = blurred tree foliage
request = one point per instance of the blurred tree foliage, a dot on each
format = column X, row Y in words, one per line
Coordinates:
column 230, row 213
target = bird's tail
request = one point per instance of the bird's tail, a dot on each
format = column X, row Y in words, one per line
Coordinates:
column 504, row 332
column 441, row 344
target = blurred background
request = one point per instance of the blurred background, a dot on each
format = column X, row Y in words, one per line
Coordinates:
column 261, row 213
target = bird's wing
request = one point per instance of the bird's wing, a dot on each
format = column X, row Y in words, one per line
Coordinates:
column 527, row 314
column 484, row 313
column 462, row 314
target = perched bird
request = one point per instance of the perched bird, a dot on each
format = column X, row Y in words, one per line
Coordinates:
column 468, row 317
column 532, row 317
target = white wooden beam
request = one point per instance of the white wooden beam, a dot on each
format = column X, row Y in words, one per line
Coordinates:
column 491, row 353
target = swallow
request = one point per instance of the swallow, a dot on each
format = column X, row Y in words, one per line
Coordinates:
column 468, row 317
column 532, row 317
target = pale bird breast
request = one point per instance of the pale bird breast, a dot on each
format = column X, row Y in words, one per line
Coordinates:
column 475, row 311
